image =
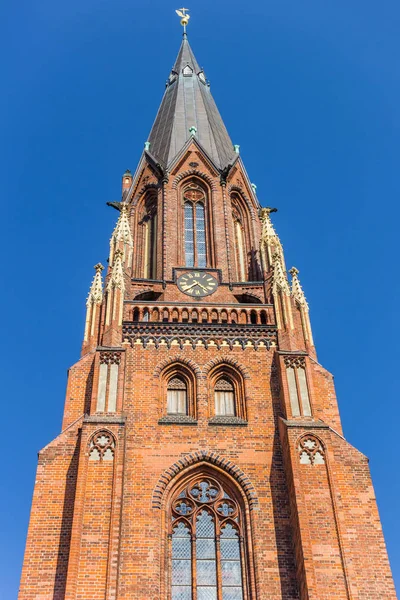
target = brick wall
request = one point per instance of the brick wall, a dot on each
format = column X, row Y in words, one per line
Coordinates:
column 99, row 526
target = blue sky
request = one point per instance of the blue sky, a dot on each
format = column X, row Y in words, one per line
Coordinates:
column 310, row 91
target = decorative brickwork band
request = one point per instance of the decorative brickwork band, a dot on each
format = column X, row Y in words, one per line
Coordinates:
column 102, row 447
column 170, row 334
column 194, row 367
column 311, row 451
column 207, row 457
column 211, row 182
column 226, row 360
column 110, row 358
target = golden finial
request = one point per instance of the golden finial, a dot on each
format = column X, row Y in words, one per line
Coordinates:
column 182, row 12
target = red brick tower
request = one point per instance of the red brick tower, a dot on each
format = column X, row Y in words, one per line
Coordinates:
column 201, row 455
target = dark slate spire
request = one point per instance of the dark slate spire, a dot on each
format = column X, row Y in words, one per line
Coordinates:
column 187, row 103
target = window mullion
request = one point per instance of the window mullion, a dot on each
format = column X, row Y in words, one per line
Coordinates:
column 169, row 562
column 218, row 563
column 194, row 568
column 245, row 584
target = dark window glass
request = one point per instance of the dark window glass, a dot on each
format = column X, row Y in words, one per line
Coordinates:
column 195, row 231
column 201, row 235
column 189, row 235
column 181, row 563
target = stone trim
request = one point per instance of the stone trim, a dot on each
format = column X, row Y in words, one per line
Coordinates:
column 110, row 349
column 205, row 456
column 118, row 420
column 305, row 424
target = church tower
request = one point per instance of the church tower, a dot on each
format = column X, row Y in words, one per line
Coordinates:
column 201, row 455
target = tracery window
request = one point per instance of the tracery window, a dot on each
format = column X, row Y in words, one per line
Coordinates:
column 208, row 553
column 177, row 397
column 195, row 228
column 224, row 395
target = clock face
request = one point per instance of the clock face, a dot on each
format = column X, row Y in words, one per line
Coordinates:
column 197, row 284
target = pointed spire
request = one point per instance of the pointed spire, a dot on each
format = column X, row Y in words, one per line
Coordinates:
column 297, row 290
column 298, row 295
column 269, row 241
column 115, row 291
column 188, row 103
column 122, row 231
column 93, row 302
column 280, row 280
column 96, row 289
column 117, row 274
column 268, row 230
column 122, row 236
column 281, row 293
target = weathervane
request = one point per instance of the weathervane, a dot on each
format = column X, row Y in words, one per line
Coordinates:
column 182, row 12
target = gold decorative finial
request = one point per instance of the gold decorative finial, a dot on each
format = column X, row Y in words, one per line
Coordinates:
column 182, row 12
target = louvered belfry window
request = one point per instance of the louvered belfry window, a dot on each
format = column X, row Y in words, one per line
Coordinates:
column 195, row 228
column 177, row 397
column 224, row 394
column 207, row 554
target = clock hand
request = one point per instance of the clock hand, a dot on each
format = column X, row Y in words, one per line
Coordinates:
column 202, row 286
column 189, row 287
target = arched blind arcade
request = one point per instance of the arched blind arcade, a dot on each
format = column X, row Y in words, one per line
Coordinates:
column 195, row 228
column 207, row 553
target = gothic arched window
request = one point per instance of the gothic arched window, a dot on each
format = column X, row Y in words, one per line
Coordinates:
column 195, row 228
column 224, row 395
column 227, row 393
column 149, row 223
column 177, row 396
column 208, row 552
column 240, row 251
column 246, row 267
